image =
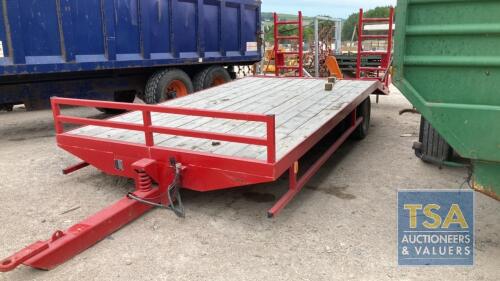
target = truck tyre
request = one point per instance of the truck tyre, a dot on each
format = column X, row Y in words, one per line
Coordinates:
column 122, row 96
column 431, row 146
column 363, row 110
column 211, row 76
column 167, row 84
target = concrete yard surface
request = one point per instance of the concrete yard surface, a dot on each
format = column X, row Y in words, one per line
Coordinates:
column 342, row 226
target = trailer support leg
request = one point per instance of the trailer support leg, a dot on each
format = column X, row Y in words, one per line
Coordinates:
column 75, row 168
column 296, row 185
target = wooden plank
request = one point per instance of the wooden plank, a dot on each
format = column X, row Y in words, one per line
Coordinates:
column 300, row 110
column 227, row 127
column 235, row 105
column 289, row 125
column 305, row 130
column 198, row 100
column 262, row 104
column 136, row 117
column 283, row 115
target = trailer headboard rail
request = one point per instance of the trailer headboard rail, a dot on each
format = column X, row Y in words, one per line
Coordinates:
column 149, row 129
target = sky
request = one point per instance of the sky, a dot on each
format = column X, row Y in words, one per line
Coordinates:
column 333, row 8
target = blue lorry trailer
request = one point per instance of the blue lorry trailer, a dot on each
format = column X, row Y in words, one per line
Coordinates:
column 119, row 49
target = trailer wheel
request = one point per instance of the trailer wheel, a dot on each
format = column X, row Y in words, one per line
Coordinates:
column 167, row 84
column 363, row 110
column 210, row 77
column 431, row 146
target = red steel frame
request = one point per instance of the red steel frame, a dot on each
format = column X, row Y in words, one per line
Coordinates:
column 386, row 57
column 200, row 171
column 279, row 60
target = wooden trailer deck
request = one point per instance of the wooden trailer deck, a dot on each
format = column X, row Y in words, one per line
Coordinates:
column 301, row 107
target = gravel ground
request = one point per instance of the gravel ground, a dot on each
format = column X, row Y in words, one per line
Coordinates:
column 342, row 226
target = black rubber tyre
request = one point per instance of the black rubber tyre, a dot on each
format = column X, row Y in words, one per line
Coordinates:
column 124, row 96
column 364, row 110
column 431, row 146
column 167, row 84
column 211, row 76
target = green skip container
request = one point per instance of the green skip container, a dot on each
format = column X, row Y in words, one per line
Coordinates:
column 447, row 64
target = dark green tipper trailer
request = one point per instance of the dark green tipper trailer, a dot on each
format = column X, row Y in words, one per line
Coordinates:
column 447, row 63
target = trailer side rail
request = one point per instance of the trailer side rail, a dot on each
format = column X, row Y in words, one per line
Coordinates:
column 149, row 129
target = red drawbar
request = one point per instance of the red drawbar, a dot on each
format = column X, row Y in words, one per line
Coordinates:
column 64, row 245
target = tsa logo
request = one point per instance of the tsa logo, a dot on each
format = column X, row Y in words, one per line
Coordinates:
column 436, row 227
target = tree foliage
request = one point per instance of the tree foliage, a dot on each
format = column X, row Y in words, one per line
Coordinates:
column 352, row 21
column 289, row 30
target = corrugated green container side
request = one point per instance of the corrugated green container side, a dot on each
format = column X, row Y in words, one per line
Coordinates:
column 447, row 63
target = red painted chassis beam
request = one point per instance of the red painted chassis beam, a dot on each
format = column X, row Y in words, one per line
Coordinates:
column 295, row 186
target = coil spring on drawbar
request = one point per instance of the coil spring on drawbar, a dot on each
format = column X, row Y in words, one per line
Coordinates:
column 173, row 192
column 144, row 181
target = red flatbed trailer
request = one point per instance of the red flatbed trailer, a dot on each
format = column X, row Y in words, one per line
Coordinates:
column 245, row 132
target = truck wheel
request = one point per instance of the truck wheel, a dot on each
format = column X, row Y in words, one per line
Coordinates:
column 431, row 146
column 167, row 84
column 363, row 110
column 122, row 96
column 210, row 77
